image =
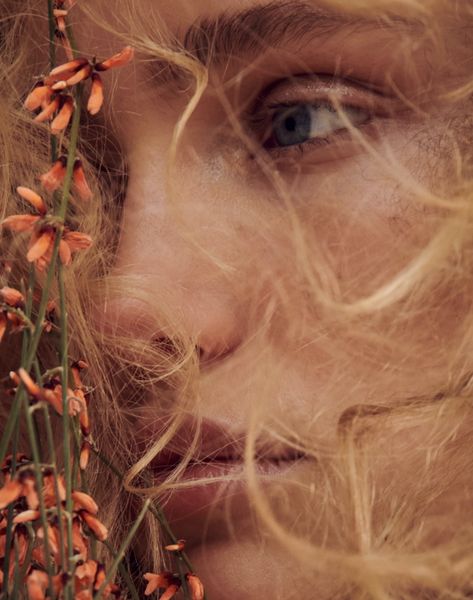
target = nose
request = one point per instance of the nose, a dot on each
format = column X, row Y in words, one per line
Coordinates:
column 173, row 284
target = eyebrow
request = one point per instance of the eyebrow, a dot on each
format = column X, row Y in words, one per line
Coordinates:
column 272, row 24
column 212, row 41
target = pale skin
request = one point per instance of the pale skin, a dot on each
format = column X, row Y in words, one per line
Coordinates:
column 221, row 252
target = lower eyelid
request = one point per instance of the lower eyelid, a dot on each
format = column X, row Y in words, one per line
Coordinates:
column 340, row 145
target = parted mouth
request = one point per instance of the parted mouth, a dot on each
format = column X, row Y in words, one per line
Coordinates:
column 217, row 445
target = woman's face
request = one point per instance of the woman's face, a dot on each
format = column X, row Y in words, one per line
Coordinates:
column 273, row 207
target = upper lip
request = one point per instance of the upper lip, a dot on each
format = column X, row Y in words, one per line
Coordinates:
column 212, row 442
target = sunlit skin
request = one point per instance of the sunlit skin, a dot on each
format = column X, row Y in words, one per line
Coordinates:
column 220, row 252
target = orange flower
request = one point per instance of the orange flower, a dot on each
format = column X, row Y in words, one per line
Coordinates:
column 50, row 482
column 177, row 547
column 170, row 591
column 79, row 541
column 66, row 70
column 53, row 539
column 165, row 580
column 61, row 120
column 96, row 526
column 33, row 198
column 53, row 179
column 43, row 234
column 52, row 396
column 36, row 584
column 84, row 501
column 48, row 110
column 12, row 297
column 26, row 516
column 29, row 490
column 80, row 182
column 95, row 101
column 20, row 223
column 86, row 572
column 60, row 16
column 117, row 60
column 100, row 577
column 84, row 455
column 9, row 493
column 77, row 70
column 40, row 96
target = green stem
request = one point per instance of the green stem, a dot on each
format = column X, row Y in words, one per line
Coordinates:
column 9, row 537
column 66, row 421
column 53, row 460
column 121, row 552
column 39, row 485
column 159, row 515
column 124, row 575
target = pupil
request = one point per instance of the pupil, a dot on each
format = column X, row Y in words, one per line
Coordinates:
column 292, row 126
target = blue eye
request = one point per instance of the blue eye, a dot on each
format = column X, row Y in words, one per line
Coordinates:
column 294, row 125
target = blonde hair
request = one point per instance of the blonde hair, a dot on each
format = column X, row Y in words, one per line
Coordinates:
column 377, row 540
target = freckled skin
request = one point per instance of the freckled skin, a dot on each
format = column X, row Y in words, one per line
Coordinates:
column 219, row 249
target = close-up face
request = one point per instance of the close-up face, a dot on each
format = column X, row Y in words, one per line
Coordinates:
column 279, row 316
column 281, row 220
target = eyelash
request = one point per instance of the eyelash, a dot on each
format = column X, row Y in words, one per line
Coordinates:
column 261, row 121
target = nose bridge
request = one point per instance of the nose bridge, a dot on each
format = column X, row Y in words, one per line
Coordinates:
column 185, row 259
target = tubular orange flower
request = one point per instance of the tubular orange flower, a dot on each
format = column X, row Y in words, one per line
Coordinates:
column 170, row 591
column 196, row 587
column 177, row 547
column 53, row 541
column 29, row 490
column 95, row 101
column 100, row 578
column 36, row 584
column 20, row 223
column 84, row 501
column 86, row 572
column 84, row 455
column 40, row 242
column 26, row 516
column 66, row 70
column 33, row 198
column 60, row 16
column 79, row 541
column 48, row 110
column 77, row 70
column 12, row 296
column 117, row 60
column 53, row 179
column 80, row 182
column 39, row 95
column 61, row 121
column 50, row 482
column 165, row 580
column 9, row 493
column 3, row 326
column 96, row 526
column 32, row 388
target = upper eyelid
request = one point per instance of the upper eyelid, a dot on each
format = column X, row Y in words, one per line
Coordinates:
column 368, row 98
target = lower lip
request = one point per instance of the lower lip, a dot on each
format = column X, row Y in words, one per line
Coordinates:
column 225, row 482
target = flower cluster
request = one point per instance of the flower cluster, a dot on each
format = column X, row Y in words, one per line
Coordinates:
column 171, row 584
column 52, row 97
column 11, row 310
column 48, row 523
column 40, row 549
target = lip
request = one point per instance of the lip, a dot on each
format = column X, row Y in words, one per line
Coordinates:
column 215, row 475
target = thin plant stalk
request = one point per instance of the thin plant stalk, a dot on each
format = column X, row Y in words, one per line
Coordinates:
column 123, row 548
column 124, row 574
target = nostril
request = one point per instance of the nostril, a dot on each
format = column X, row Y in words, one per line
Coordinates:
column 212, row 356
